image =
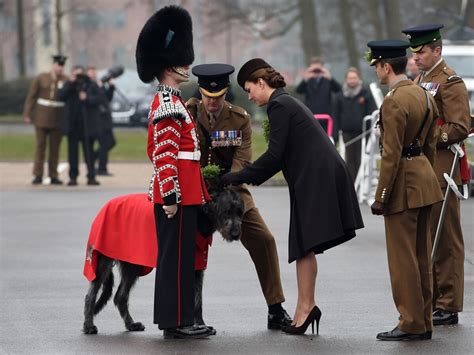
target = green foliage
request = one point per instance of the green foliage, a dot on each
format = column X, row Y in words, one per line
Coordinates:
column 210, row 171
column 131, row 146
column 368, row 56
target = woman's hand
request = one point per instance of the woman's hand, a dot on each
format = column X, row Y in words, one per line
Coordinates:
column 230, row 179
column 170, row 210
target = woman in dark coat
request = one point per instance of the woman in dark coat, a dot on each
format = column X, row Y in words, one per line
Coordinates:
column 352, row 104
column 324, row 207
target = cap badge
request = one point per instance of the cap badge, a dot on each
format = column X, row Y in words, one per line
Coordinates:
column 408, row 36
column 213, row 84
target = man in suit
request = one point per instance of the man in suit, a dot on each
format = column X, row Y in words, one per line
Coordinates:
column 452, row 100
column 225, row 136
column 407, row 188
column 45, row 111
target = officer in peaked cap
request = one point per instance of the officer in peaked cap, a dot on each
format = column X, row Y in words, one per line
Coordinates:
column 44, row 110
column 386, row 49
column 421, row 35
column 60, row 59
column 225, row 135
column 407, row 140
column 454, row 123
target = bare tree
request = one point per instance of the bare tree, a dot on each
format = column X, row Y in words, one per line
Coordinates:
column 392, row 18
column 269, row 20
column 348, row 32
column 21, row 39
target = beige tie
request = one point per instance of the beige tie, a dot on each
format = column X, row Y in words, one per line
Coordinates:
column 212, row 120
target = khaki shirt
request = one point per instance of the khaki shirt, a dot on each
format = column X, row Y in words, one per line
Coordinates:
column 233, row 158
column 46, row 87
column 407, row 183
column 452, row 100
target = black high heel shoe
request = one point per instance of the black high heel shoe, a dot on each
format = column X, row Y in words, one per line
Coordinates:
column 314, row 315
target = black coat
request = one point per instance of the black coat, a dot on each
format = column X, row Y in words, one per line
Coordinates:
column 324, row 207
column 349, row 112
column 318, row 94
column 81, row 115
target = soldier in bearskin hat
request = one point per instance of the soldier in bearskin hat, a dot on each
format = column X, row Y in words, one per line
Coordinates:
column 164, row 53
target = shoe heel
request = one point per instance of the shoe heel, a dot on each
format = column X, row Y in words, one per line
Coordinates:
column 317, row 327
column 312, row 327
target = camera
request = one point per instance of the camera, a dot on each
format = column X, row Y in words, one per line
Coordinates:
column 112, row 73
column 317, row 71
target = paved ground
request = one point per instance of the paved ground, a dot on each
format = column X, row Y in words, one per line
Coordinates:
column 42, row 246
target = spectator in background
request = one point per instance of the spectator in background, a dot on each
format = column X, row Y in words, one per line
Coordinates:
column 412, row 69
column 318, row 87
column 44, row 110
column 352, row 104
column 82, row 99
column 105, row 125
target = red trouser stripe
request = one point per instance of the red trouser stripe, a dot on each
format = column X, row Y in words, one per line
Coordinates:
column 179, row 264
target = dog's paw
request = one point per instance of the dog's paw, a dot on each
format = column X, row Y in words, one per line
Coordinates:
column 90, row 329
column 136, row 327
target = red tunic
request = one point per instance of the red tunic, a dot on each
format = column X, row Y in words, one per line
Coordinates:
column 124, row 229
column 173, row 148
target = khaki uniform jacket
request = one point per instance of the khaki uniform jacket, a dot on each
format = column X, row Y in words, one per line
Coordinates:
column 234, row 158
column 44, row 86
column 407, row 183
column 453, row 105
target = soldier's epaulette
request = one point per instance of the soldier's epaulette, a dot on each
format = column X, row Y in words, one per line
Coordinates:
column 193, row 105
column 454, row 77
column 238, row 110
column 168, row 109
column 193, row 101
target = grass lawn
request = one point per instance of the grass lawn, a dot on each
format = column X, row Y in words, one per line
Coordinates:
column 131, row 146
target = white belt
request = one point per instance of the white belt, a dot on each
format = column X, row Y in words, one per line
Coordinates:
column 50, row 103
column 190, row 155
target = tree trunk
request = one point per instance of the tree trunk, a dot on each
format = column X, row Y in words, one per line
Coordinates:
column 348, row 33
column 309, row 29
column 468, row 20
column 21, row 39
column 392, row 18
column 59, row 33
column 374, row 18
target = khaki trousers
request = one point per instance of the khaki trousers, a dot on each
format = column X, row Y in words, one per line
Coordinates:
column 409, row 261
column 260, row 243
column 42, row 134
column 448, row 270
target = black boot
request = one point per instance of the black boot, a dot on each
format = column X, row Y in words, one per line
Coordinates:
column 277, row 317
column 37, row 180
column 56, row 181
column 442, row 317
column 189, row 332
column 398, row 335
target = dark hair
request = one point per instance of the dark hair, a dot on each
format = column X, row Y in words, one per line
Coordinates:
column 316, row 60
column 398, row 64
column 433, row 45
column 273, row 78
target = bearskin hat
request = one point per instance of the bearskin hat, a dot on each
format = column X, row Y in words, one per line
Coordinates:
column 165, row 41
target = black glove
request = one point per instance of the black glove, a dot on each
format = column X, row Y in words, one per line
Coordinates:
column 230, row 179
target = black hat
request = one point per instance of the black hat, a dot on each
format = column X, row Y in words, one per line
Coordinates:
column 60, row 59
column 213, row 79
column 421, row 35
column 165, row 41
column 248, row 68
column 386, row 49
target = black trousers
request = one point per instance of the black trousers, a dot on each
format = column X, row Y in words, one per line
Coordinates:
column 73, row 154
column 106, row 142
column 353, row 153
column 174, row 282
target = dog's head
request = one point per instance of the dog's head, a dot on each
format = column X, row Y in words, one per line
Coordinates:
column 226, row 211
